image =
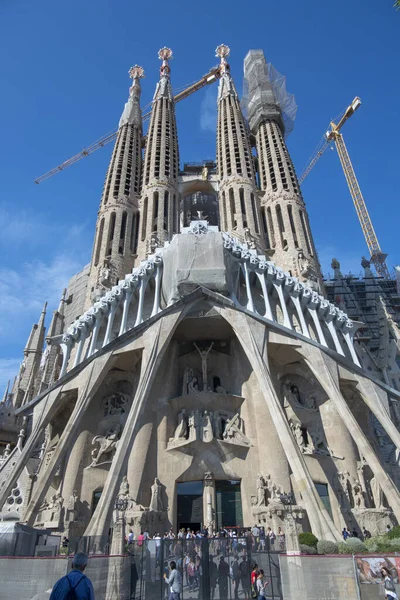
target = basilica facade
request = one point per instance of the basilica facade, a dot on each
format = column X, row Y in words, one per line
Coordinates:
column 207, row 374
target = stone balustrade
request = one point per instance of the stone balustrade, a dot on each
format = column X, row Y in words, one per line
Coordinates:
column 314, row 314
column 127, row 296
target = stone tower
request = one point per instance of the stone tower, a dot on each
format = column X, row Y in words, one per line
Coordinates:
column 239, row 201
column 115, row 241
column 25, row 385
column 159, row 205
column 284, row 214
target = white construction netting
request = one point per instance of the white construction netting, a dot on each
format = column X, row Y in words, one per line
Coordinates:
column 258, row 74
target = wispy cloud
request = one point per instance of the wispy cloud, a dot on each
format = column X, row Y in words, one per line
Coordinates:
column 208, row 110
column 22, row 227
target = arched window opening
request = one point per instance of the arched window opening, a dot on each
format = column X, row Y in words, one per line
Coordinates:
column 271, row 227
column 290, row 213
column 265, row 227
column 281, row 226
column 232, row 208
column 99, row 242
column 111, row 229
column 144, row 219
column 305, row 232
column 122, row 233
column 255, row 215
column 166, row 210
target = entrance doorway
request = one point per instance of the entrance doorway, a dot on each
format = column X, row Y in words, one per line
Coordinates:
column 229, row 504
column 190, row 504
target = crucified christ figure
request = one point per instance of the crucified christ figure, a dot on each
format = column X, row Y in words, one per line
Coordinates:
column 203, row 356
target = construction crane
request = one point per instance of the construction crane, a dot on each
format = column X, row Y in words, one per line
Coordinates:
column 378, row 258
column 210, row 77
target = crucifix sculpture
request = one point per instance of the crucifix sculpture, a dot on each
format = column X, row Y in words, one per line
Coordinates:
column 203, row 356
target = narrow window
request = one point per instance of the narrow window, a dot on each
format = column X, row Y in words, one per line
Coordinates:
column 111, row 229
column 271, row 227
column 254, row 211
column 166, row 200
column 305, row 233
column 290, row 213
column 232, row 208
column 122, row 233
column 155, row 205
column 144, row 219
column 99, row 241
column 265, row 227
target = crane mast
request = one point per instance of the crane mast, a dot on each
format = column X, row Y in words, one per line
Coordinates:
column 378, row 258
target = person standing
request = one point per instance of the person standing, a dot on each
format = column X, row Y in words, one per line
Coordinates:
column 281, row 539
column 261, row 585
column 255, row 532
column 76, row 581
column 223, row 574
column 131, row 537
column 388, row 584
column 345, row 534
column 174, row 581
column 235, row 575
column 244, row 575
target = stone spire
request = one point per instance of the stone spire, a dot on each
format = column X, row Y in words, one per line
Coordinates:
column 24, row 386
column 238, row 196
column 159, row 204
column 115, row 243
column 284, row 214
column 50, row 362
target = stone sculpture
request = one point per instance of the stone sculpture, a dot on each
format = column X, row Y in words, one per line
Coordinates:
column 233, row 432
column 71, row 507
column 106, row 444
column 203, row 355
column 376, row 491
column 358, row 496
column 298, row 434
column 181, row 432
column 208, row 425
column 156, row 502
column 116, row 404
column 261, row 491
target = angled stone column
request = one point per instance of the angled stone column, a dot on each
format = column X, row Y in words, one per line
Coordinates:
column 253, row 338
column 94, row 377
column 156, row 341
column 319, row 365
column 49, row 408
column 381, row 412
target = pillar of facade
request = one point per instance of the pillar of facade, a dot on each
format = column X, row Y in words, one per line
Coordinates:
column 284, row 215
column 239, row 204
column 209, row 503
column 115, row 243
column 159, row 203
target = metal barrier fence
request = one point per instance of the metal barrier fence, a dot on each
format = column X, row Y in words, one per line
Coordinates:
column 319, row 578
column 212, row 569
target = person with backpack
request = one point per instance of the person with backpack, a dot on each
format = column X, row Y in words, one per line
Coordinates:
column 75, row 585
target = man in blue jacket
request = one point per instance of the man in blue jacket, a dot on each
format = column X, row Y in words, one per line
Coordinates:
column 76, row 580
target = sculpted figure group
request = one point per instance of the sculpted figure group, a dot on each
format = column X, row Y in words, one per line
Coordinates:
column 206, row 425
column 267, row 491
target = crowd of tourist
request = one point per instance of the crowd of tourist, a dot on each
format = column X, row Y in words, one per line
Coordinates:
column 221, row 557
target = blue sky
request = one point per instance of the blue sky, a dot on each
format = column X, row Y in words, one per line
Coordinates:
column 64, row 83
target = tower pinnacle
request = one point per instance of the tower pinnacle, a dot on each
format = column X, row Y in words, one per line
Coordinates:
column 159, row 204
column 115, row 242
column 165, row 54
column 239, row 202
